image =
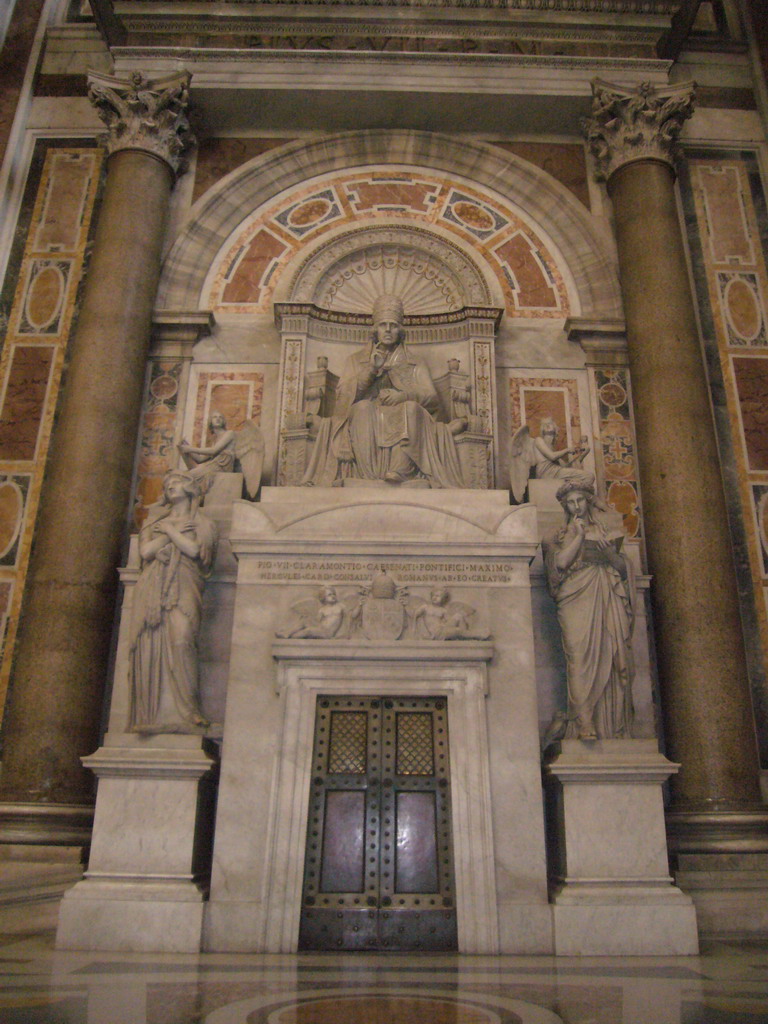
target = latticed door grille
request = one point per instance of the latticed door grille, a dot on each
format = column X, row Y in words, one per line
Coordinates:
column 348, row 744
column 415, row 749
column 378, row 872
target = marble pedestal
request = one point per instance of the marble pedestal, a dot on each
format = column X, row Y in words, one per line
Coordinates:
column 613, row 894
column 150, row 857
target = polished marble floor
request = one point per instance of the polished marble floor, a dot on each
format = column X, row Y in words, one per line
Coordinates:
column 727, row 984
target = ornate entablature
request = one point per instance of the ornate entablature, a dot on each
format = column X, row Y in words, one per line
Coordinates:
column 509, row 27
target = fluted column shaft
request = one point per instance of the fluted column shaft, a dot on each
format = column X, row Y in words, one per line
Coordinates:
column 54, row 711
column 702, row 665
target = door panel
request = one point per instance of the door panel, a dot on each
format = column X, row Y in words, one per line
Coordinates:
column 378, row 871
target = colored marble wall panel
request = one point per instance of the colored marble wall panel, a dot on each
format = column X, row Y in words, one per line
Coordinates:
column 565, row 162
column 24, row 400
column 752, row 386
column 538, row 396
column 392, row 194
column 742, row 302
column 270, row 239
column 47, row 286
column 65, row 202
column 532, row 288
column 13, row 497
column 729, row 236
column 39, row 293
column 236, row 395
column 308, row 213
column 254, row 269
column 546, row 403
column 218, row 157
column 157, row 452
column 760, row 498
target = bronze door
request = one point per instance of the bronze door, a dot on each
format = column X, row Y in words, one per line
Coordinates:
column 378, row 871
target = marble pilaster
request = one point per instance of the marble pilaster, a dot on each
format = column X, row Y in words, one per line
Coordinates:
column 702, row 666
column 53, row 714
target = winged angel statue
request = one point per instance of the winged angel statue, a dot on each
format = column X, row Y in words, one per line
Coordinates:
column 246, row 446
column 539, row 454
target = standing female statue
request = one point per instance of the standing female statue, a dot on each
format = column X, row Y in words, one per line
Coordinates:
column 177, row 546
column 590, row 578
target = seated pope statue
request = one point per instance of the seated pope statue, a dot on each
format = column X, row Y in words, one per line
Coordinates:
column 385, row 426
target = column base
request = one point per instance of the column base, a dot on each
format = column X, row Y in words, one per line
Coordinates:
column 132, row 916
column 624, row 920
column 726, row 831
column 730, row 892
column 40, row 824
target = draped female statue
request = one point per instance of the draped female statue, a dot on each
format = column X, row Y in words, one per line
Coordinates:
column 591, row 580
column 177, row 546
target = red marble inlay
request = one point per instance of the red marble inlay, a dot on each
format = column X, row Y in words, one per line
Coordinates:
column 24, row 401
column 247, row 280
column 752, row 386
column 413, row 195
column 533, row 287
column 546, row 404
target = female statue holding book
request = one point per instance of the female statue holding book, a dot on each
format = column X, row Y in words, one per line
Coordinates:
column 591, row 580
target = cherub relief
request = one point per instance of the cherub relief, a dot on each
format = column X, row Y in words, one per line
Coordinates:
column 440, row 618
column 323, row 617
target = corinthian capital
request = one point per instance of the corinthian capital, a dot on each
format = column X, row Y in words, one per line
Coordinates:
column 636, row 124
column 145, row 114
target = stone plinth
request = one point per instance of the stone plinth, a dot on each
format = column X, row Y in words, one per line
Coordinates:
column 613, row 894
column 729, row 891
column 150, row 858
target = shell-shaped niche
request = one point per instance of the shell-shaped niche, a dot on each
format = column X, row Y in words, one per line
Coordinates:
column 428, row 273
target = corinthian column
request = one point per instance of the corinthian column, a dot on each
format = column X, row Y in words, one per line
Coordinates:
column 57, row 688
column 702, row 667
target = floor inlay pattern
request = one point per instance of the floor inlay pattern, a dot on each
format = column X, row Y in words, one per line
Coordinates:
column 727, row 984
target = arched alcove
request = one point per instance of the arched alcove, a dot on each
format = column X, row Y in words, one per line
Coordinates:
column 543, row 204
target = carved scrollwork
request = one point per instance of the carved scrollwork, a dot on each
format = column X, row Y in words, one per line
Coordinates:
column 636, row 124
column 145, row 114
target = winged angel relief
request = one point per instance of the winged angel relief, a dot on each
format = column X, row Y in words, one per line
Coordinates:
column 244, row 446
column 382, row 611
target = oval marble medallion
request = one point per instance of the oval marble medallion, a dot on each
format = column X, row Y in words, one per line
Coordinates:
column 309, row 212
column 44, row 298
column 11, row 508
column 473, row 216
column 743, row 309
